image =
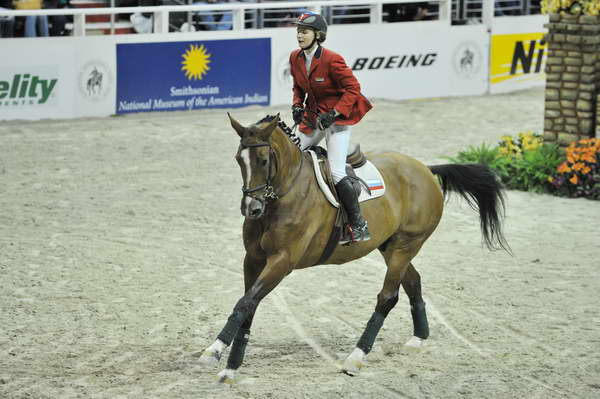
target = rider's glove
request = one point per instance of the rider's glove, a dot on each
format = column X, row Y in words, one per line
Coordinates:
column 326, row 119
column 297, row 113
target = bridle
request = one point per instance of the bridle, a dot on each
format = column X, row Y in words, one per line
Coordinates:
column 270, row 193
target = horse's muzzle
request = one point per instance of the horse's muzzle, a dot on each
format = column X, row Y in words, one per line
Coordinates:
column 252, row 208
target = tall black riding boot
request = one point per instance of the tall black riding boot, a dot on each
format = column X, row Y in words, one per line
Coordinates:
column 357, row 228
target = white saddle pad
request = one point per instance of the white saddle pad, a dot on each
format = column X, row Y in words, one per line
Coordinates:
column 368, row 172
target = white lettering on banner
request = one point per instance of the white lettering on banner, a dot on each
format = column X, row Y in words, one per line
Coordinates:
column 135, row 105
column 255, row 99
column 190, row 91
column 23, row 89
column 225, row 100
column 161, row 104
column 191, row 103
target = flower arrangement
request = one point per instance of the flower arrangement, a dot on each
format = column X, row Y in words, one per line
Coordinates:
column 526, row 141
column 575, row 7
column 523, row 162
column 579, row 174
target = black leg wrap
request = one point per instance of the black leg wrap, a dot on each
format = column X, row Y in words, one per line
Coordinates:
column 419, row 316
column 368, row 337
column 242, row 309
column 236, row 356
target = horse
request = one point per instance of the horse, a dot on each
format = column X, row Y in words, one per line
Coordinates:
column 288, row 222
column 94, row 83
column 466, row 62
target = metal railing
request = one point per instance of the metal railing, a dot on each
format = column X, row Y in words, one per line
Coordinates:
column 238, row 12
column 474, row 9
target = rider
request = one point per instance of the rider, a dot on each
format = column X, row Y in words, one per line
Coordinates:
column 325, row 86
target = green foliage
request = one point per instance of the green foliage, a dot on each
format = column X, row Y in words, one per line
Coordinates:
column 531, row 171
column 483, row 154
column 522, row 163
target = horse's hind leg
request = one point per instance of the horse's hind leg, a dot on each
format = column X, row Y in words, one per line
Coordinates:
column 398, row 261
column 412, row 286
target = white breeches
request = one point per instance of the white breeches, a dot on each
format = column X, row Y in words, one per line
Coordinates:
column 338, row 142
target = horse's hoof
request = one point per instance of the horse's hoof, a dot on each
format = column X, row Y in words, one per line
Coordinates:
column 415, row 343
column 210, row 358
column 354, row 362
column 226, row 376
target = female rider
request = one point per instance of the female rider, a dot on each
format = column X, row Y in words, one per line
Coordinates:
column 325, row 86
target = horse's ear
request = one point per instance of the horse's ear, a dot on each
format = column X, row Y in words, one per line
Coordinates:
column 266, row 132
column 241, row 130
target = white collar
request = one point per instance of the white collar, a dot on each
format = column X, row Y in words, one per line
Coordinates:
column 310, row 54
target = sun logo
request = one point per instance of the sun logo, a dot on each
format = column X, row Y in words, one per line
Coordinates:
column 195, row 62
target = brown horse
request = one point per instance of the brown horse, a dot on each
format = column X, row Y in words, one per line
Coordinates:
column 289, row 221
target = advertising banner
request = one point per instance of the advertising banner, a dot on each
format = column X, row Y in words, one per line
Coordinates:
column 400, row 60
column 518, row 53
column 188, row 75
column 35, row 79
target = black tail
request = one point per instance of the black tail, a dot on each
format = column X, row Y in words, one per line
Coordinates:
column 480, row 187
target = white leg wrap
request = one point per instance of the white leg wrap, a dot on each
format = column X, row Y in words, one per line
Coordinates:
column 212, row 354
column 415, row 342
column 354, row 362
column 226, row 376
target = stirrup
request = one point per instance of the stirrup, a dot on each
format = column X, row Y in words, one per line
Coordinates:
column 352, row 234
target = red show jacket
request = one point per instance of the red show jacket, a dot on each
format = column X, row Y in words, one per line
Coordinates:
column 330, row 84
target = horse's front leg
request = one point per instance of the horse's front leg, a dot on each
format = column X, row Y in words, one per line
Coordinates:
column 276, row 268
column 252, row 269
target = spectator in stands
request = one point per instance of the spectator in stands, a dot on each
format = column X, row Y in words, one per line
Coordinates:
column 7, row 24
column 507, row 8
column 325, row 85
column 33, row 21
column 144, row 22
column 210, row 20
column 57, row 22
column 406, row 12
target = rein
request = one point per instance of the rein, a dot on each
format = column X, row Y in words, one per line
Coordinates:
column 270, row 193
column 306, row 121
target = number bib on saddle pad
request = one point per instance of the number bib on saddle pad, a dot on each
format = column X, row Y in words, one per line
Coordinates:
column 368, row 173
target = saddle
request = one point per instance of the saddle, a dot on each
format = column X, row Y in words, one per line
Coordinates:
column 354, row 160
column 365, row 177
column 367, row 182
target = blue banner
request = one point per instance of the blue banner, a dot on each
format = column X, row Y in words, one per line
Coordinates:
column 176, row 76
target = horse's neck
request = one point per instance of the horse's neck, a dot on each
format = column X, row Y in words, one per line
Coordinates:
column 288, row 157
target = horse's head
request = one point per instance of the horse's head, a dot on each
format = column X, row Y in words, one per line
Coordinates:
column 255, row 156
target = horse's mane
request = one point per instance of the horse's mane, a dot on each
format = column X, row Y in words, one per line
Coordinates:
column 284, row 128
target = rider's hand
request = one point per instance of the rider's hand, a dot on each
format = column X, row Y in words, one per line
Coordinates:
column 297, row 113
column 326, row 119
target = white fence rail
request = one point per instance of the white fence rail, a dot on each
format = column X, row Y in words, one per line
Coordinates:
column 161, row 13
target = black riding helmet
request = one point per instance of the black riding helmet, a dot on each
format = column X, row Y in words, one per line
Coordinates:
column 314, row 21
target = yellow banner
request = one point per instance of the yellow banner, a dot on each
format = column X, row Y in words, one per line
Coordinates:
column 517, row 57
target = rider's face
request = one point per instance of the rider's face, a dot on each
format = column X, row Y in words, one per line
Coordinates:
column 305, row 37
